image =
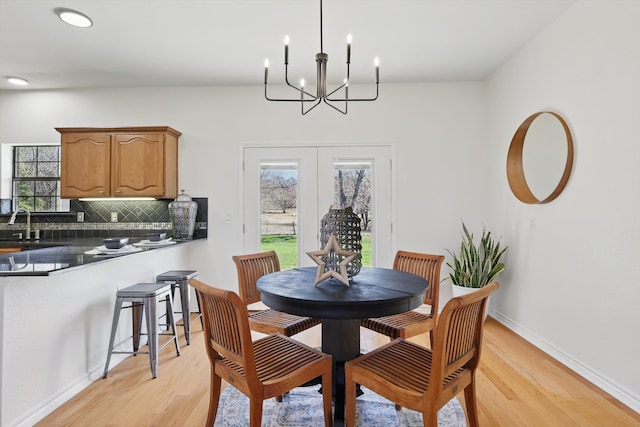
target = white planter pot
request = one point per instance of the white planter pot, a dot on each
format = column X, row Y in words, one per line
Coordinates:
column 458, row 291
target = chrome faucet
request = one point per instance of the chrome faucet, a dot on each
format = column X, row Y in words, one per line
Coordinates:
column 12, row 221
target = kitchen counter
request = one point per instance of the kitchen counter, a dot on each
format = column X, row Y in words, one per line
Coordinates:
column 56, row 309
column 46, row 257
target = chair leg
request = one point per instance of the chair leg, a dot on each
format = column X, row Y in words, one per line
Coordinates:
column 430, row 418
column 350, row 394
column 214, row 398
column 255, row 412
column 470, row 403
column 326, row 400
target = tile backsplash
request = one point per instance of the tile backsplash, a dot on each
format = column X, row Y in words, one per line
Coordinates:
column 135, row 218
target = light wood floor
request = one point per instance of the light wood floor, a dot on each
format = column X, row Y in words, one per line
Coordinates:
column 518, row 385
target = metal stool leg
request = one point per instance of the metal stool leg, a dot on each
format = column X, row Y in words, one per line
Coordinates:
column 137, row 311
column 152, row 334
column 186, row 309
column 200, row 310
column 114, row 326
column 174, row 329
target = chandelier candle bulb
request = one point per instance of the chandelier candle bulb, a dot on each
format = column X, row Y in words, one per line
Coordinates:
column 286, row 50
column 266, row 70
column 377, row 64
column 349, row 49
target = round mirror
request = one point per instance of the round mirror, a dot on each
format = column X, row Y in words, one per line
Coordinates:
column 540, row 158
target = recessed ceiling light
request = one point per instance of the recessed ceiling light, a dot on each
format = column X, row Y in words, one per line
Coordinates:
column 18, row 81
column 73, row 17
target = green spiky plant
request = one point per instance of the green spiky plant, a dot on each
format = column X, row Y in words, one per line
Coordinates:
column 476, row 266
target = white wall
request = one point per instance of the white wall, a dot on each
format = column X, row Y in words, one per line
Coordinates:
column 438, row 131
column 573, row 284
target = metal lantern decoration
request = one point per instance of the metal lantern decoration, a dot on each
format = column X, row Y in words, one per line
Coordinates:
column 345, row 225
column 182, row 212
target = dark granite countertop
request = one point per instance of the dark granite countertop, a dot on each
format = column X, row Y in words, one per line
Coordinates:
column 45, row 257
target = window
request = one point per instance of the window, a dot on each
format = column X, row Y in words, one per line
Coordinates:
column 36, row 178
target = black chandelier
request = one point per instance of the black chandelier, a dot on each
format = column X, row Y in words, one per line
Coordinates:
column 321, row 80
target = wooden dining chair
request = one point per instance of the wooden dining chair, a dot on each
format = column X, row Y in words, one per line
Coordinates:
column 250, row 268
column 422, row 379
column 261, row 369
column 412, row 323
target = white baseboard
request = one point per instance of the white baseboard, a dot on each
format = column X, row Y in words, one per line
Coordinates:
column 58, row 400
column 622, row 394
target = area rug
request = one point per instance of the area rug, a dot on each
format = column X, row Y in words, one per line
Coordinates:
column 302, row 407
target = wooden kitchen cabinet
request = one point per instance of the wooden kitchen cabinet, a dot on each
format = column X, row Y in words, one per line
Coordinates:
column 119, row 162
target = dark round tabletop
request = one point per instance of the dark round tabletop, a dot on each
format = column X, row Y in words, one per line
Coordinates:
column 374, row 292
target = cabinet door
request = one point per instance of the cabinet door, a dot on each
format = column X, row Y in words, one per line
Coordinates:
column 85, row 165
column 137, row 165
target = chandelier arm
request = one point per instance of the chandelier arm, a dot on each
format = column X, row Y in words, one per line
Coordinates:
column 355, row 99
column 313, row 97
column 286, row 79
column 311, row 108
column 285, row 99
column 328, row 102
column 335, row 90
column 345, row 84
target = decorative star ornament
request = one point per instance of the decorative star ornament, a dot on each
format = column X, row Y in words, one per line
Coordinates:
column 332, row 247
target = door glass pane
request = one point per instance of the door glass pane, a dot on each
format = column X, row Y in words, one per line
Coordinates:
column 278, row 211
column 353, row 187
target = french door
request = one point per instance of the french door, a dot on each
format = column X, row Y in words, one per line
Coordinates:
column 287, row 191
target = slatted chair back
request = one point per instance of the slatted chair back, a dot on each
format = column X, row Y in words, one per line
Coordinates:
column 458, row 335
column 425, row 379
column 267, row 367
column 250, row 268
column 423, row 265
column 226, row 328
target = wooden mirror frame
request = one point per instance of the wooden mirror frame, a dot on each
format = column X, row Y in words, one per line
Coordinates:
column 515, row 169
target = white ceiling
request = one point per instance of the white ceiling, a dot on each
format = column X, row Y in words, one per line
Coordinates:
column 224, row 42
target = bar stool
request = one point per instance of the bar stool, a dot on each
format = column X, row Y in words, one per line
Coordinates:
column 144, row 298
column 180, row 279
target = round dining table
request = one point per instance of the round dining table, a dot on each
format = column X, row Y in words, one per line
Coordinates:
column 374, row 292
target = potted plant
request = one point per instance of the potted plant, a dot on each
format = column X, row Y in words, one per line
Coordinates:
column 475, row 266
